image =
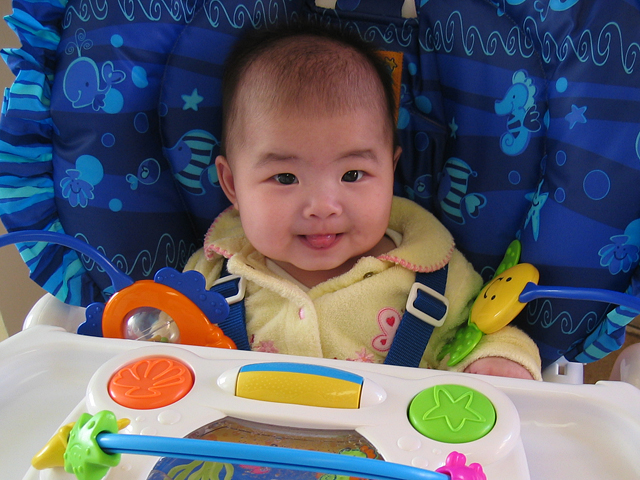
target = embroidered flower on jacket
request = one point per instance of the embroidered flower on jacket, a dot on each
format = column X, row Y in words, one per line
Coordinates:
column 266, row 346
column 362, row 356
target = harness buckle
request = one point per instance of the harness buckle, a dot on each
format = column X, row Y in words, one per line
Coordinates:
column 242, row 287
column 416, row 312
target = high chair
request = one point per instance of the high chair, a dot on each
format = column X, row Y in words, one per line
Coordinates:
column 517, row 119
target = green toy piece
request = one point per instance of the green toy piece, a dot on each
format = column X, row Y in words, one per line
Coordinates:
column 83, row 457
column 464, row 341
column 468, row 336
column 511, row 257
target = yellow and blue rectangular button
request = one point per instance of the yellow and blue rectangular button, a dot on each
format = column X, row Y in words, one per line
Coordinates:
column 300, row 384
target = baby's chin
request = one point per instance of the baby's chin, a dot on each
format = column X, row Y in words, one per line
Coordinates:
column 334, row 254
column 313, row 273
column 318, row 267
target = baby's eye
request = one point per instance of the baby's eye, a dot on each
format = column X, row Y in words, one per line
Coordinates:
column 285, row 178
column 352, row 176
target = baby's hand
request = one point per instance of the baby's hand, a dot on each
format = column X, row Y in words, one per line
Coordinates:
column 500, row 367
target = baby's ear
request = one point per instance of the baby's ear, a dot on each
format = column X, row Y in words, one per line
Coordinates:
column 396, row 157
column 225, row 177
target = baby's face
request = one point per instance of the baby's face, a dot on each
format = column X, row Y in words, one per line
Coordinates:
column 314, row 192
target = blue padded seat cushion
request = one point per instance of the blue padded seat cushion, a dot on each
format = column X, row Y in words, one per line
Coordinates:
column 518, row 119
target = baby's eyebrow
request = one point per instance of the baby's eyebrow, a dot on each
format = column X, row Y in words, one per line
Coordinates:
column 272, row 157
column 366, row 154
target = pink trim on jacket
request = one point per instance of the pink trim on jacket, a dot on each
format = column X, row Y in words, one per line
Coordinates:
column 209, row 249
column 418, row 268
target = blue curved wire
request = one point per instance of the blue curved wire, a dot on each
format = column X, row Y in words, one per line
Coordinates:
column 275, row 457
column 532, row 291
column 119, row 279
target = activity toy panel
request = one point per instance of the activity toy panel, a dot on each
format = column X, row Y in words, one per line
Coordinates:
column 516, row 119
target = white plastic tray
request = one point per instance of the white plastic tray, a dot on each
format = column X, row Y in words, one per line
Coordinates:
column 590, row 432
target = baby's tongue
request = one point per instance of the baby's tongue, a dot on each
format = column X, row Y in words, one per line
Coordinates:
column 321, row 241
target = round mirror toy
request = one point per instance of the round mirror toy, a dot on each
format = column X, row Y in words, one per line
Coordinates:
column 150, row 324
column 174, row 307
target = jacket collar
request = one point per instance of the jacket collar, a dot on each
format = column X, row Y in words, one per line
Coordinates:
column 426, row 244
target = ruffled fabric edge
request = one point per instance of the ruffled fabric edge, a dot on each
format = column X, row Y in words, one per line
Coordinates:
column 26, row 131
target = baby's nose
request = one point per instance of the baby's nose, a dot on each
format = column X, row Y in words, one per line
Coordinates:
column 323, row 203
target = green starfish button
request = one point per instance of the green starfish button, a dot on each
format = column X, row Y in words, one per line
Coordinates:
column 452, row 414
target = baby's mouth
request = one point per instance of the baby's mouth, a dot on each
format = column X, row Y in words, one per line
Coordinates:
column 321, row 241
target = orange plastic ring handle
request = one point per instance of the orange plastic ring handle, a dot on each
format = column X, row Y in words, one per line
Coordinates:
column 195, row 328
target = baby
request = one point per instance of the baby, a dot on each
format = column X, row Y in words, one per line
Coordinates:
column 329, row 254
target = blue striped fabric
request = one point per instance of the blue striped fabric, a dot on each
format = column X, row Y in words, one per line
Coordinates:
column 607, row 338
column 26, row 186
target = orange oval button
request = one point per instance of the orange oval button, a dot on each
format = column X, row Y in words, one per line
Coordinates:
column 152, row 382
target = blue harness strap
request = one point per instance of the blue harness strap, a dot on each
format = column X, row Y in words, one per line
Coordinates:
column 232, row 288
column 426, row 309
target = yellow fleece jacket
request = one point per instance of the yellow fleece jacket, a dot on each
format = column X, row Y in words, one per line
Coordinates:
column 354, row 316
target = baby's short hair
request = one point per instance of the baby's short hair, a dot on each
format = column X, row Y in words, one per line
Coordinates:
column 305, row 66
